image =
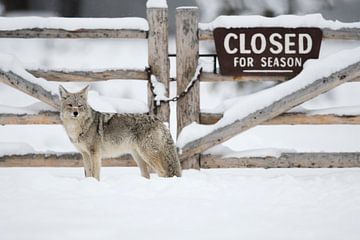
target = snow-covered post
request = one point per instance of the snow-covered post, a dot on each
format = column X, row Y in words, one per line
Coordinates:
column 187, row 54
column 157, row 15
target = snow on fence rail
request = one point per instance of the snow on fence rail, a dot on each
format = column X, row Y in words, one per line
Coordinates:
column 58, row 27
column 194, row 139
column 154, row 29
column 32, row 81
column 188, row 34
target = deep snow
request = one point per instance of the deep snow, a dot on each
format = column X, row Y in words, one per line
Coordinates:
column 289, row 204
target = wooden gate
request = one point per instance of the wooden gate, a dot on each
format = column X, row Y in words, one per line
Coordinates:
column 188, row 36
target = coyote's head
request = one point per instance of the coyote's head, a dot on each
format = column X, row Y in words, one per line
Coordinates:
column 74, row 105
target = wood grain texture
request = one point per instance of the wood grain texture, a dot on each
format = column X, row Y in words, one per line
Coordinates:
column 31, row 89
column 341, row 34
column 45, row 117
column 187, row 53
column 59, row 160
column 262, row 115
column 292, row 119
column 80, row 33
column 158, row 57
column 212, row 77
column 89, row 76
column 286, row 160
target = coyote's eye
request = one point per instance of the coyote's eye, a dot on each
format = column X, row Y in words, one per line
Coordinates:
column 80, row 106
column 70, row 105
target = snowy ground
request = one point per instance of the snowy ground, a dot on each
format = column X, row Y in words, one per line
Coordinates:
column 46, row 203
column 49, row 203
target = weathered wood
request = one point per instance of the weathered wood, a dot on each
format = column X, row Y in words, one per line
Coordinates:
column 286, row 160
column 158, row 57
column 213, row 77
column 80, row 33
column 41, row 118
column 89, row 76
column 187, row 53
column 32, row 89
column 292, row 119
column 341, row 34
column 59, row 160
column 205, row 35
column 282, row 105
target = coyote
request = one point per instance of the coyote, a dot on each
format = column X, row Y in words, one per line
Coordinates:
column 100, row 135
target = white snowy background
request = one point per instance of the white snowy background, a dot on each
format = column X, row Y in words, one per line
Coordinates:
column 58, row 203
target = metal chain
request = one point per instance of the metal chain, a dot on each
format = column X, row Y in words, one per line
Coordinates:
column 177, row 97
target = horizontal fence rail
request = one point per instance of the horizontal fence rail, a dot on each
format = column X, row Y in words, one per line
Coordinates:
column 59, row 160
column 80, row 33
column 292, row 119
column 62, row 27
column 41, row 118
column 48, row 117
column 285, row 160
column 340, row 34
column 90, row 76
column 213, row 77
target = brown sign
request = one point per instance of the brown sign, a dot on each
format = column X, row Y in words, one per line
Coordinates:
column 265, row 51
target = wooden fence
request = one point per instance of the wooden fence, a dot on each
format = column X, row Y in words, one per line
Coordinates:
column 188, row 37
column 157, row 37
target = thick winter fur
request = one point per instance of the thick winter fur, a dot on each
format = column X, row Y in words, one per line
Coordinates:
column 103, row 135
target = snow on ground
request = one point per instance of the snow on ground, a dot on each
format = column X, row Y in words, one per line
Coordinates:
column 58, row 203
column 289, row 204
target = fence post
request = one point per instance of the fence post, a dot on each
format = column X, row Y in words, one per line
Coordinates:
column 187, row 54
column 158, row 55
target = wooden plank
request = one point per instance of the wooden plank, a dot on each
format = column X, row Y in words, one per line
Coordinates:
column 80, row 33
column 59, row 160
column 292, row 119
column 30, row 88
column 158, row 57
column 286, row 160
column 46, row 117
column 205, row 35
column 215, row 77
column 284, row 104
column 340, row 34
column 89, row 76
column 187, row 53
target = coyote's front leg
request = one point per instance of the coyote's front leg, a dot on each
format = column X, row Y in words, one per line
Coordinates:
column 86, row 163
column 95, row 159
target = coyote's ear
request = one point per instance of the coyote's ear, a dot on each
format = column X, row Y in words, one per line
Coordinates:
column 84, row 91
column 63, row 92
